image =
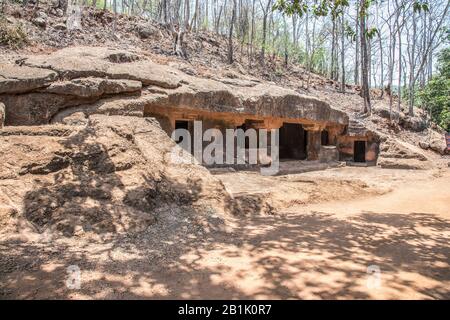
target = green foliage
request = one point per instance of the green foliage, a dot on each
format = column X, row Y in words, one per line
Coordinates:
column 291, row 7
column 12, row 35
column 100, row 4
column 321, row 8
column 435, row 96
column 419, row 6
column 372, row 32
column 349, row 32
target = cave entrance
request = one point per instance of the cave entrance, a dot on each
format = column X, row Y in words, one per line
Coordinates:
column 324, row 138
column 183, row 124
column 250, row 124
column 359, row 151
column 293, row 141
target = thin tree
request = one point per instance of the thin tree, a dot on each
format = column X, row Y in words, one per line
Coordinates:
column 230, row 34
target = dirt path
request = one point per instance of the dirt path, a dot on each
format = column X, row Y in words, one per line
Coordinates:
column 319, row 251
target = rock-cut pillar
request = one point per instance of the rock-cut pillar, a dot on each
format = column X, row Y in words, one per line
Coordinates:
column 314, row 144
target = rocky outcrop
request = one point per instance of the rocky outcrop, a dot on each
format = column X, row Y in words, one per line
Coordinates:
column 36, row 108
column 19, row 79
column 415, row 124
column 145, row 30
column 395, row 154
column 438, row 145
column 93, row 87
column 110, row 175
column 82, row 62
column 408, row 164
column 40, row 19
column 83, row 79
column 435, row 142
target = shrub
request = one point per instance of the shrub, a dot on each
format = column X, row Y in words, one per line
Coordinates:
column 12, row 35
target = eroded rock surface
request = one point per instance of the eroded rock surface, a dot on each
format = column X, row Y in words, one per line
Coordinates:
column 93, row 87
column 18, row 79
column 110, row 175
column 84, row 78
column 395, row 154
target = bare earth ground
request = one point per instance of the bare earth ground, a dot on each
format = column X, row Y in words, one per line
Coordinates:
column 398, row 220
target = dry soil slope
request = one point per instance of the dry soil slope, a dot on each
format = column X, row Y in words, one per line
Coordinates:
column 108, row 174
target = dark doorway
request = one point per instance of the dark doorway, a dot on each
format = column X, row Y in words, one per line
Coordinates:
column 247, row 126
column 293, row 141
column 244, row 128
column 324, row 138
column 359, row 151
column 181, row 124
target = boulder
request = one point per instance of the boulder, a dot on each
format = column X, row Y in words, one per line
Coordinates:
column 60, row 26
column 415, row 124
column 424, row 145
column 19, row 79
column 93, row 87
column 384, row 112
column 40, row 19
column 40, row 22
column 145, row 31
column 439, row 146
column 59, row 12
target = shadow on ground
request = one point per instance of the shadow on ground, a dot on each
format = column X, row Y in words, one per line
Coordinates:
column 287, row 256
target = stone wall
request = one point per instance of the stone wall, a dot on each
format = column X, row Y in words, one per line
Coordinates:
column 345, row 145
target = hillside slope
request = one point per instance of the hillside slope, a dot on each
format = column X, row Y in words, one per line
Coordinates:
column 207, row 59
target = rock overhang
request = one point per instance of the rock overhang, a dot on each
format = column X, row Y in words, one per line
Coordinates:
column 66, row 72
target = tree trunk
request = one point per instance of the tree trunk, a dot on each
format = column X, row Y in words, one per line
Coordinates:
column 252, row 34
column 230, row 34
column 357, row 55
column 399, row 84
column 286, row 39
column 364, row 59
column 412, row 65
column 342, row 54
column 263, row 44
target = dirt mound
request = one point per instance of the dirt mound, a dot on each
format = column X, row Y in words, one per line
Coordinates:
column 111, row 175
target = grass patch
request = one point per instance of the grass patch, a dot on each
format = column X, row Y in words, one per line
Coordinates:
column 13, row 36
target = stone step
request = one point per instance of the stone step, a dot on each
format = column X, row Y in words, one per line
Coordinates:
column 293, row 167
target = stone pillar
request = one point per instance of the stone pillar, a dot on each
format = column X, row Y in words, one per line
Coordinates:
column 2, row 115
column 269, row 125
column 314, row 144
